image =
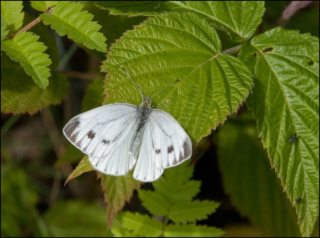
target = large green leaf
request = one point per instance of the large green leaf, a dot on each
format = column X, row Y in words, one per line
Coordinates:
column 76, row 218
column 239, row 18
column 172, row 46
column 28, row 51
column 253, row 188
column 11, row 10
column 192, row 230
column 117, row 190
column 68, row 19
column 19, row 94
column 285, row 101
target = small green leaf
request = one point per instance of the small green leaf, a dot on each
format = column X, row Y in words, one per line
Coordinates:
column 11, row 10
column 239, row 18
column 117, row 190
column 253, row 188
column 4, row 31
column 142, row 225
column 94, row 95
column 154, row 202
column 285, row 101
column 19, row 94
column 25, row 49
column 192, row 230
column 75, row 218
column 83, row 167
column 178, row 46
column 42, row 6
column 68, row 19
column 192, row 211
column 120, row 232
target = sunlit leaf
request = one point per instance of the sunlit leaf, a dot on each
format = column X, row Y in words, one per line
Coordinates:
column 173, row 46
column 239, row 18
column 28, row 51
column 285, row 101
column 83, row 167
column 253, row 188
column 11, row 10
column 68, row 19
column 19, row 94
column 4, row 31
column 42, row 6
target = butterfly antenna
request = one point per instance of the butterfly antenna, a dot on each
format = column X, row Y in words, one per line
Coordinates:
column 165, row 87
column 133, row 82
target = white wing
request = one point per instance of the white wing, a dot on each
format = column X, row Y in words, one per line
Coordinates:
column 145, row 169
column 171, row 144
column 164, row 144
column 105, row 134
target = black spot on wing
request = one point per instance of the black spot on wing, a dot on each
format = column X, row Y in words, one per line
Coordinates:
column 186, row 149
column 158, row 151
column 170, row 149
column 73, row 138
column 91, row 134
column 105, row 141
column 70, row 128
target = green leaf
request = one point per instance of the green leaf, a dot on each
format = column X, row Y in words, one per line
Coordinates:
column 68, row 19
column 117, row 190
column 191, row 230
column 42, row 6
column 4, row 31
column 75, row 218
column 19, row 94
column 25, row 49
column 120, row 232
column 253, row 188
column 175, row 186
column 11, row 10
column 239, row 18
column 154, row 202
column 172, row 46
column 94, row 95
column 192, row 211
column 83, row 167
column 285, row 101
column 142, row 225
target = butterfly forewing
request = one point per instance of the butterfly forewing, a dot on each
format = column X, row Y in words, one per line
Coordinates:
column 95, row 132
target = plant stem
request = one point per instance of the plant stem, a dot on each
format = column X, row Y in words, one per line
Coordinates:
column 31, row 24
column 232, row 50
column 290, row 10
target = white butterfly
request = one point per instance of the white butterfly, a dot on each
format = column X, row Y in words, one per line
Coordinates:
column 118, row 136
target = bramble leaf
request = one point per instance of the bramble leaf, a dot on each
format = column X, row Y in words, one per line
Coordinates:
column 141, row 225
column 4, row 31
column 67, row 19
column 192, row 230
column 28, row 51
column 285, row 101
column 172, row 46
column 83, row 167
column 42, row 6
column 11, row 11
column 253, row 188
column 117, row 190
column 154, row 202
column 192, row 211
column 239, row 18
column 19, row 94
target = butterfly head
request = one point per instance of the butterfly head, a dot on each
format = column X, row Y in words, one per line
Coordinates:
column 146, row 102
